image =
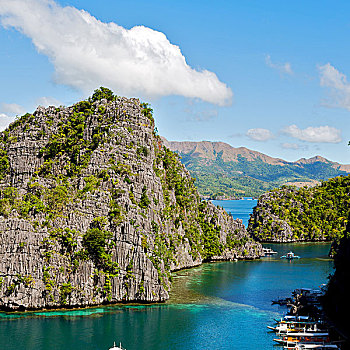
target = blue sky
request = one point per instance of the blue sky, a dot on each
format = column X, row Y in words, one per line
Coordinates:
column 271, row 76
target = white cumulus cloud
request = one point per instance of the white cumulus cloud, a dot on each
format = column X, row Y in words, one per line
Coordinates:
column 327, row 134
column 340, row 88
column 259, row 134
column 87, row 53
column 285, row 68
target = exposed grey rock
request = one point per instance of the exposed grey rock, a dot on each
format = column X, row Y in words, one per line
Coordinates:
column 43, row 260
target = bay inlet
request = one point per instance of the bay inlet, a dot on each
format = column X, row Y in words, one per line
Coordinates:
column 224, row 305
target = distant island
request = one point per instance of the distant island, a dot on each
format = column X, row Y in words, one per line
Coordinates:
column 225, row 172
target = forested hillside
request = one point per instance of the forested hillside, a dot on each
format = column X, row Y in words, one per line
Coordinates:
column 221, row 170
column 291, row 214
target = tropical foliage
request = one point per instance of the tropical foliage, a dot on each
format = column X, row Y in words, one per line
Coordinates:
column 316, row 213
column 250, row 178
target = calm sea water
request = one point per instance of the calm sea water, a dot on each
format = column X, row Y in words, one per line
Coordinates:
column 215, row 306
column 240, row 209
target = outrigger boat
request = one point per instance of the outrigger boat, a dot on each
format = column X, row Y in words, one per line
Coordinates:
column 311, row 295
column 303, row 337
column 291, row 318
column 268, row 252
column 117, row 347
column 305, row 346
column 292, row 327
column 290, row 256
column 308, row 292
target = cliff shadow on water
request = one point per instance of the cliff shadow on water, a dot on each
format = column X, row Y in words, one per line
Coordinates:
column 336, row 301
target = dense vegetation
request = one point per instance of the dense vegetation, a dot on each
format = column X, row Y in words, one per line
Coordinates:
column 101, row 197
column 316, row 213
column 250, row 178
column 201, row 227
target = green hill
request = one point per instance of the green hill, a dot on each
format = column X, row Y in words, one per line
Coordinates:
column 290, row 214
column 221, row 170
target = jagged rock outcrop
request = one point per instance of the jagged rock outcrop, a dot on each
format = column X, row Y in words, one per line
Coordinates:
column 265, row 223
column 94, row 209
column 291, row 214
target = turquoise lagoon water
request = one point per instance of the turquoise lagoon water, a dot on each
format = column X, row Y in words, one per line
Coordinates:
column 224, row 305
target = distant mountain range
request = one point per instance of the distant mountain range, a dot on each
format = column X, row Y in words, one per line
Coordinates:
column 223, row 171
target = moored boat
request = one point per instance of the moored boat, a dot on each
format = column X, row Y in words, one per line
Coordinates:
column 290, row 256
column 306, row 346
column 308, row 292
column 293, row 327
column 312, row 296
column 290, row 318
column 303, row 337
column 117, row 347
column 268, row 252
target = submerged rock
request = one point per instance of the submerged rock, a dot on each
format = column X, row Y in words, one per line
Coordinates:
column 94, row 209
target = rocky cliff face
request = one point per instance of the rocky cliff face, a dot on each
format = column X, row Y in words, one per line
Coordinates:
column 266, row 224
column 94, row 209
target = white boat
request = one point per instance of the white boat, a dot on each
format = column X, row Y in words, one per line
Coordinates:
column 316, row 346
column 311, row 346
column 117, row 347
column 290, row 256
column 308, row 292
column 293, row 327
column 290, row 318
column 303, row 337
column 268, row 252
column 311, row 294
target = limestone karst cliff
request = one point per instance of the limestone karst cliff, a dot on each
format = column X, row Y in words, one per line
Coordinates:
column 94, row 209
